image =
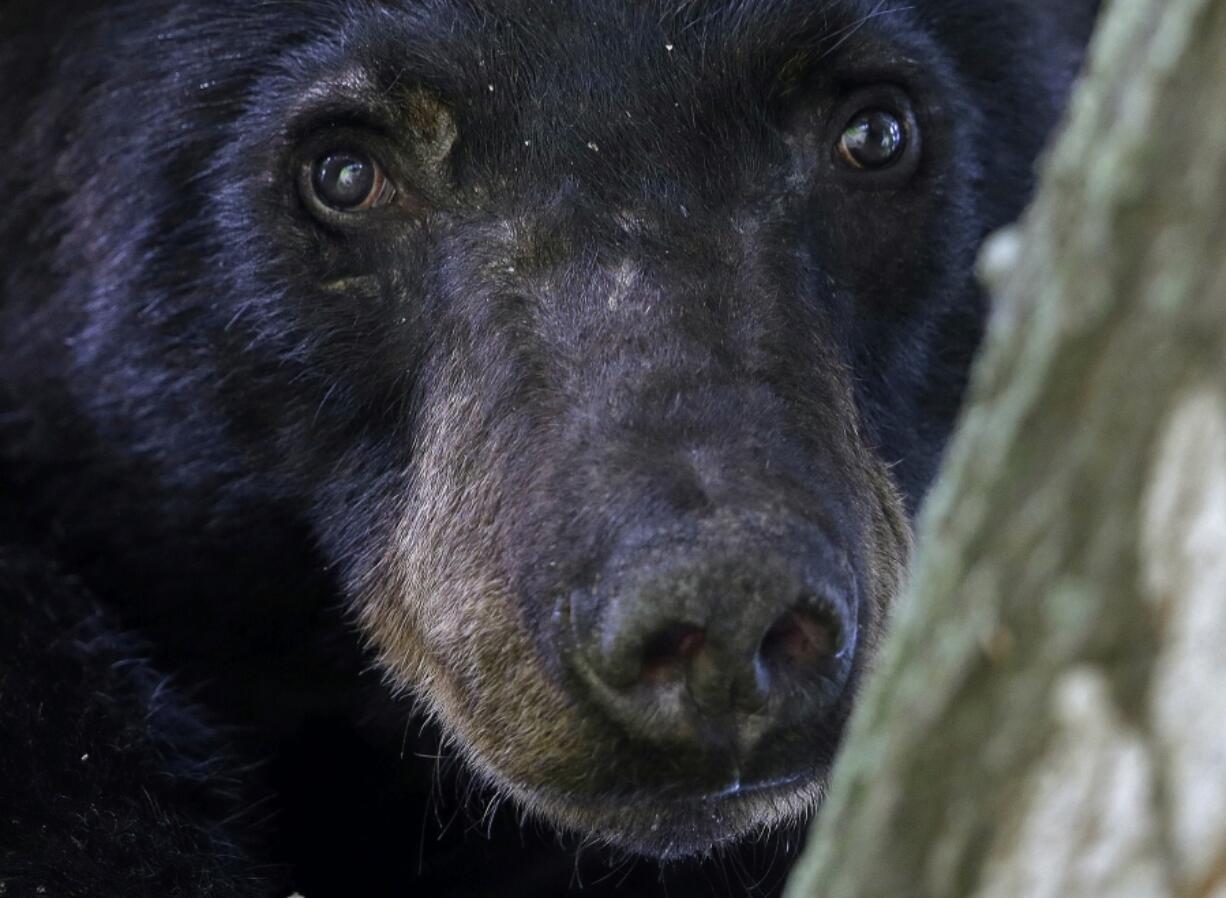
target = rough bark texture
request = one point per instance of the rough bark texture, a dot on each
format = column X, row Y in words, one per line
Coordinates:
column 1049, row 717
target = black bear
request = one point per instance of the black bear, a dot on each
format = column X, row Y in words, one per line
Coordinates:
column 543, row 384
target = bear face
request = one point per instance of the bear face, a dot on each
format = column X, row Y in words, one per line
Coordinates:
column 603, row 349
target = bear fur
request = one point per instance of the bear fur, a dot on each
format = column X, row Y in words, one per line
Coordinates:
column 293, row 500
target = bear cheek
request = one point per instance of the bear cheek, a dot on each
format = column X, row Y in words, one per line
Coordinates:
column 438, row 613
column 889, row 545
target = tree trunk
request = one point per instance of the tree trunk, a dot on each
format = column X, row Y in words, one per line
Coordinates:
column 1049, row 714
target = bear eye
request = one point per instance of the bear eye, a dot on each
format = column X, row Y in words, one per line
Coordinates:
column 349, row 181
column 873, row 139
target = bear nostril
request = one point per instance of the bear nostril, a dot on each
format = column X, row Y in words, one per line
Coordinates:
column 667, row 654
column 802, row 637
column 710, row 654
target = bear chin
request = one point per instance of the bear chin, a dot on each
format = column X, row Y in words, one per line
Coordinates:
column 670, row 828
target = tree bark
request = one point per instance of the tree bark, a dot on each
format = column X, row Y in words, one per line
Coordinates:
column 1048, row 717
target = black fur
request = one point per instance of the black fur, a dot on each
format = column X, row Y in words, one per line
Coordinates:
column 110, row 783
column 201, row 444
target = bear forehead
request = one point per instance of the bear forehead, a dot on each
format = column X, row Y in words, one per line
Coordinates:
column 554, row 54
column 464, row 42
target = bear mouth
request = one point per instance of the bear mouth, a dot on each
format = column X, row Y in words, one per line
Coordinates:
column 671, row 825
column 764, row 786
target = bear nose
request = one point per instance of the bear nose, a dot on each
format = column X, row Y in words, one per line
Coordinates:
column 713, row 651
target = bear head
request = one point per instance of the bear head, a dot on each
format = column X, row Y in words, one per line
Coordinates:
column 604, row 349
